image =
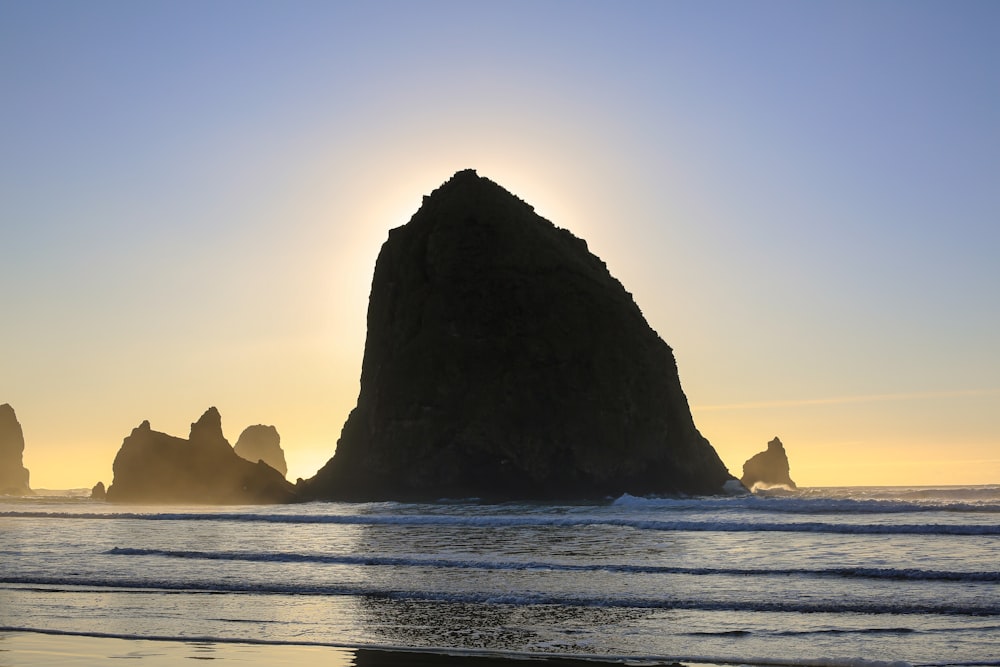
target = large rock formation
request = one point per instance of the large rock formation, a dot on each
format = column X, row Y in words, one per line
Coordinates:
column 262, row 443
column 768, row 468
column 160, row 468
column 13, row 474
column 503, row 361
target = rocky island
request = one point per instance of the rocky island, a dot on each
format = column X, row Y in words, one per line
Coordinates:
column 503, row 361
column 262, row 443
column 153, row 467
column 13, row 474
column 768, row 468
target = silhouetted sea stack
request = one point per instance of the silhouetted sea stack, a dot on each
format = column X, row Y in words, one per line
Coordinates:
column 160, row 468
column 262, row 443
column 503, row 361
column 768, row 468
column 13, row 474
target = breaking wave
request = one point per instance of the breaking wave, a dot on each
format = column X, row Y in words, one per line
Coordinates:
column 977, row 607
column 532, row 521
column 394, row 561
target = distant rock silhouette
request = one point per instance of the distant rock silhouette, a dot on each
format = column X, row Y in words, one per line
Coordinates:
column 262, row 443
column 156, row 467
column 98, row 492
column 503, row 361
column 768, row 468
column 13, row 474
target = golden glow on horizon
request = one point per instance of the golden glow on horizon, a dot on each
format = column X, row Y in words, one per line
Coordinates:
column 845, row 443
column 311, row 381
column 215, row 246
column 838, row 400
column 814, row 461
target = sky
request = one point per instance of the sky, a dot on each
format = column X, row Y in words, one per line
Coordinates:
column 803, row 198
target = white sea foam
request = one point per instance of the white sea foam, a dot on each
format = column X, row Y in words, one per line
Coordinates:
column 488, row 564
column 522, row 521
column 977, row 608
column 813, row 502
column 734, row 488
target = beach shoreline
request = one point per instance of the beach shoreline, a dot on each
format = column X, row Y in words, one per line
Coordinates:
column 23, row 648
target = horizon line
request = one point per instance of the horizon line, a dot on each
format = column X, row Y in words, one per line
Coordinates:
column 838, row 400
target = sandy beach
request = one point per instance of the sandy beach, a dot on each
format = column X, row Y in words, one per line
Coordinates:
column 31, row 649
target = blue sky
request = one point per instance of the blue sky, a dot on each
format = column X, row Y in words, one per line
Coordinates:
column 802, row 196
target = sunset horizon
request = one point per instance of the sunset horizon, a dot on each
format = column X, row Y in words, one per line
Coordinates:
column 814, row 427
column 800, row 197
column 542, row 333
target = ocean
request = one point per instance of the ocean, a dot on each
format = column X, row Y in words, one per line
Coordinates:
column 827, row 576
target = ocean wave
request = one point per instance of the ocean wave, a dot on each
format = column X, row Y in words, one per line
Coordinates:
column 537, row 521
column 806, row 502
column 482, row 564
column 963, row 628
column 979, row 607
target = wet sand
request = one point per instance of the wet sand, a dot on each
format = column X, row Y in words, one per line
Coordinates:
column 38, row 650
column 30, row 649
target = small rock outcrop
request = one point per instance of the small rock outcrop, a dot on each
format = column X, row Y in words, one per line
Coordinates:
column 98, row 492
column 13, row 474
column 768, row 468
column 503, row 361
column 262, row 443
column 158, row 468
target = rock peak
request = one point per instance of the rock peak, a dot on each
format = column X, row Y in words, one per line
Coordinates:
column 156, row 467
column 467, row 193
column 208, row 428
column 503, row 361
column 768, row 468
column 463, row 174
column 262, row 443
column 13, row 474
